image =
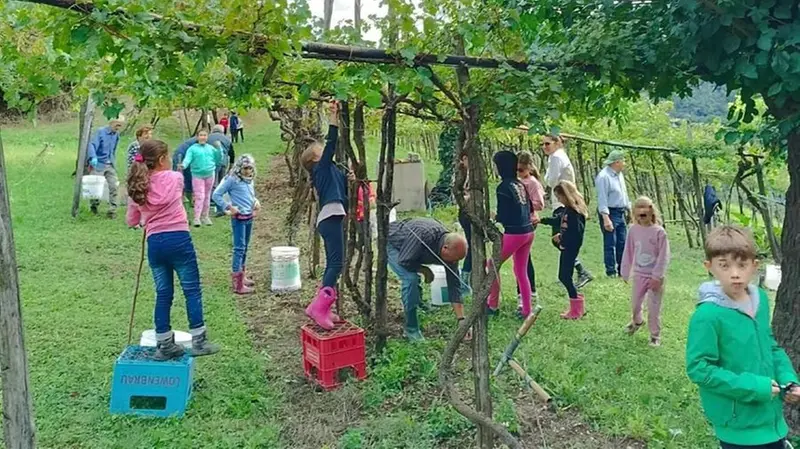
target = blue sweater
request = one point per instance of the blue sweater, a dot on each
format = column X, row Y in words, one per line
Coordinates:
column 330, row 182
column 242, row 194
column 513, row 205
column 104, row 146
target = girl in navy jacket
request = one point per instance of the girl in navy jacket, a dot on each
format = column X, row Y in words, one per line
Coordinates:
column 331, row 186
column 514, row 213
column 569, row 241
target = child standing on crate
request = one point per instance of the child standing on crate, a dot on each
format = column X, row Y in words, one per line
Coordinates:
column 331, row 186
column 155, row 197
column 645, row 260
column 528, row 175
column 242, row 207
column 514, row 213
column 202, row 159
column 731, row 354
column 569, row 240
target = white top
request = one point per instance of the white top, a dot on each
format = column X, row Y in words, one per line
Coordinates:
column 559, row 168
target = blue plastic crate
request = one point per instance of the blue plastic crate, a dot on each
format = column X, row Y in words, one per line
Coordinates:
column 143, row 386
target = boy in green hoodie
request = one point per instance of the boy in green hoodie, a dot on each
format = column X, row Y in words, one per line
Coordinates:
column 731, row 353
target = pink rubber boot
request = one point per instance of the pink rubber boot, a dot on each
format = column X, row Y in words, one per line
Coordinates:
column 576, row 309
column 238, row 284
column 247, row 281
column 320, row 308
column 334, row 317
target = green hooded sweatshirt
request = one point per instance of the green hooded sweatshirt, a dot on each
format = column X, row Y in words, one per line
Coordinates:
column 734, row 358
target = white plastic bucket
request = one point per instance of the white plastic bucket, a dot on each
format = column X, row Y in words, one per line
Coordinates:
column 772, row 279
column 439, row 293
column 149, row 338
column 93, row 187
column 285, row 269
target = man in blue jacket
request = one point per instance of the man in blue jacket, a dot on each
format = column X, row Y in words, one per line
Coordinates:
column 102, row 153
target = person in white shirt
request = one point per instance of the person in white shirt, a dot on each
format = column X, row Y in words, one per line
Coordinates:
column 559, row 168
column 613, row 206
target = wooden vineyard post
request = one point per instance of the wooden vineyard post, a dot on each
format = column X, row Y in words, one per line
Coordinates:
column 698, row 191
column 679, row 197
column 85, row 132
column 766, row 213
column 582, row 170
column 659, row 200
column 19, row 431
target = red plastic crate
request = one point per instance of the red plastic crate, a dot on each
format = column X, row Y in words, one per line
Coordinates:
column 327, row 352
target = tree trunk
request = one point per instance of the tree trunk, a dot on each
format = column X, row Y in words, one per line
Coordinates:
column 385, row 183
column 358, row 138
column 357, row 17
column 328, row 15
column 85, row 130
column 19, row 431
column 480, row 339
column 786, row 319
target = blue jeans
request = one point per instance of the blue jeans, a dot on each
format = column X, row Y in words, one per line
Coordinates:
column 614, row 241
column 332, row 231
column 168, row 253
column 241, row 240
column 410, row 288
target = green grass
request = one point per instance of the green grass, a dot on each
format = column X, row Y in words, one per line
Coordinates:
column 77, row 280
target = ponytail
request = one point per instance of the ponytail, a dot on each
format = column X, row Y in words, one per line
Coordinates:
column 146, row 160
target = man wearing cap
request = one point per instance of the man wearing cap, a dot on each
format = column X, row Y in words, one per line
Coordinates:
column 414, row 243
column 613, row 207
column 102, row 153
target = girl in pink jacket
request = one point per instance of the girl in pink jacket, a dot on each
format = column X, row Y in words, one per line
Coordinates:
column 645, row 259
column 155, row 198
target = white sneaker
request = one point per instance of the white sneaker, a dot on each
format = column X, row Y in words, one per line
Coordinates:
column 196, row 223
column 207, row 221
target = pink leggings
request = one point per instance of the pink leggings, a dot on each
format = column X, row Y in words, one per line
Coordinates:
column 640, row 290
column 202, row 188
column 518, row 246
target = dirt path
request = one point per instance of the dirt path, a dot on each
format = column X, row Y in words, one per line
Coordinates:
column 312, row 419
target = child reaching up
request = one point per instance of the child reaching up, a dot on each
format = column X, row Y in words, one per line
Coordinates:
column 731, row 354
column 645, row 260
column 569, row 241
column 243, row 206
column 155, row 197
column 514, row 213
column 529, row 177
column 331, row 186
column 202, row 159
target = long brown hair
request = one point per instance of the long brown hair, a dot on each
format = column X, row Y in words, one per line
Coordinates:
column 150, row 153
column 525, row 158
column 572, row 198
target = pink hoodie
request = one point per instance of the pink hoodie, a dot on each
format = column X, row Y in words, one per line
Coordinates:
column 163, row 211
column 646, row 252
column 535, row 193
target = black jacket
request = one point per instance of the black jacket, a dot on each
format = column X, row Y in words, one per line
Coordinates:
column 513, row 205
column 572, row 226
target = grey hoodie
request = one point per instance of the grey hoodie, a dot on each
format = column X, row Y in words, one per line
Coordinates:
column 712, row 292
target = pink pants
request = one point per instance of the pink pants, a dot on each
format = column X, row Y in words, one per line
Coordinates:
column 202, row 188
column 640, row 290
column 518, row 246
